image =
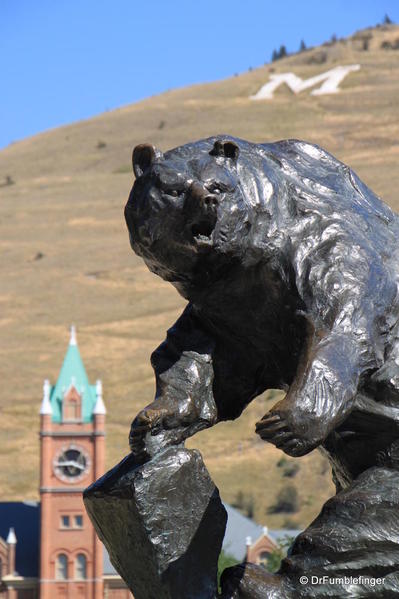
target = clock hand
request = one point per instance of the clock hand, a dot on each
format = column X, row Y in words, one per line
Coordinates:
column 70, row 463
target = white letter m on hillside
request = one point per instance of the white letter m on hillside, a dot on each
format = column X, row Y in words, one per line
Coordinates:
column 331, row 78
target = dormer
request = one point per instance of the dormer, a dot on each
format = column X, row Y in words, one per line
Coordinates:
column 72, row 405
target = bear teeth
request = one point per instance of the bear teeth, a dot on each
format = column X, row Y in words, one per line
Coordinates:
column 202, row 230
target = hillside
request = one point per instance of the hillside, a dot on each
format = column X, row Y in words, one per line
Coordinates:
column 65, row 256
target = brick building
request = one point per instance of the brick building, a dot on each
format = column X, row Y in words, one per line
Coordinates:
column 50, row 550
column 245, row 540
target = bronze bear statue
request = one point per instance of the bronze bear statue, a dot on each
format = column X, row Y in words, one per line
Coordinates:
column 290, row 267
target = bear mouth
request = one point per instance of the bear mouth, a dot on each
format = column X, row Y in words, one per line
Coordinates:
column 202, row 230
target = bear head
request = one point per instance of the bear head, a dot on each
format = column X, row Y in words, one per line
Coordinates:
column 187, row 212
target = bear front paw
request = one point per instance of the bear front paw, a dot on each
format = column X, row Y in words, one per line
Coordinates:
column 149, row 420
column 169, row 421
column 275, row 429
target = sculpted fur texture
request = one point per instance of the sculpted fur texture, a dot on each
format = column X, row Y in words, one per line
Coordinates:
column 289, row 264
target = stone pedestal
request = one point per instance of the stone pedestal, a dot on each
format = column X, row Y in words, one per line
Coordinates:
column 162, row 523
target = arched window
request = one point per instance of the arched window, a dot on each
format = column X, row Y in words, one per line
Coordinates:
column 61, row 567
column 81, row 567
column 72, row 405
column 264, row 558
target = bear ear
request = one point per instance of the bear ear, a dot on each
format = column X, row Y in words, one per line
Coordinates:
column 225, row 148
column 143, row 157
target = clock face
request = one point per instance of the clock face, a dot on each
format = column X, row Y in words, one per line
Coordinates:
column 71, row 464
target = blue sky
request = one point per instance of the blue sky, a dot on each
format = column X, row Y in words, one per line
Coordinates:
column 66, row 60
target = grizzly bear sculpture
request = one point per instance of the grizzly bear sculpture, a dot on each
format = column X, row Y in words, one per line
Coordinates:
column 290, row 266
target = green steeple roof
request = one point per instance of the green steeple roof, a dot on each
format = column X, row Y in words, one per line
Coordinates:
column 73, row 373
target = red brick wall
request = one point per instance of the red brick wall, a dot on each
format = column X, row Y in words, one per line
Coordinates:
column 263, row 545
column 63, row 498
column 118, row 594
column 3, row 559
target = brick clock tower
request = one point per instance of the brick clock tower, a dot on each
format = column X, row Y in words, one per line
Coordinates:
column 72, row 441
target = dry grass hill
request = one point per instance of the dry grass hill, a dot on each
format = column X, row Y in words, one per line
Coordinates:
column 65, row 256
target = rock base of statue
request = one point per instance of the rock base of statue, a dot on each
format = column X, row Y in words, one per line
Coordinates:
column 162, row 523
column 351, row 550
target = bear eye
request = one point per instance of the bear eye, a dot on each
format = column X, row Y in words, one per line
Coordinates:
column 215, row 189
column 173, row 192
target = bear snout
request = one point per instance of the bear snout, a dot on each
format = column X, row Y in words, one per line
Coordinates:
column 200, row 200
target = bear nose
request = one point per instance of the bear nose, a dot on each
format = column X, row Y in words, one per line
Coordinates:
column 202, row 197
